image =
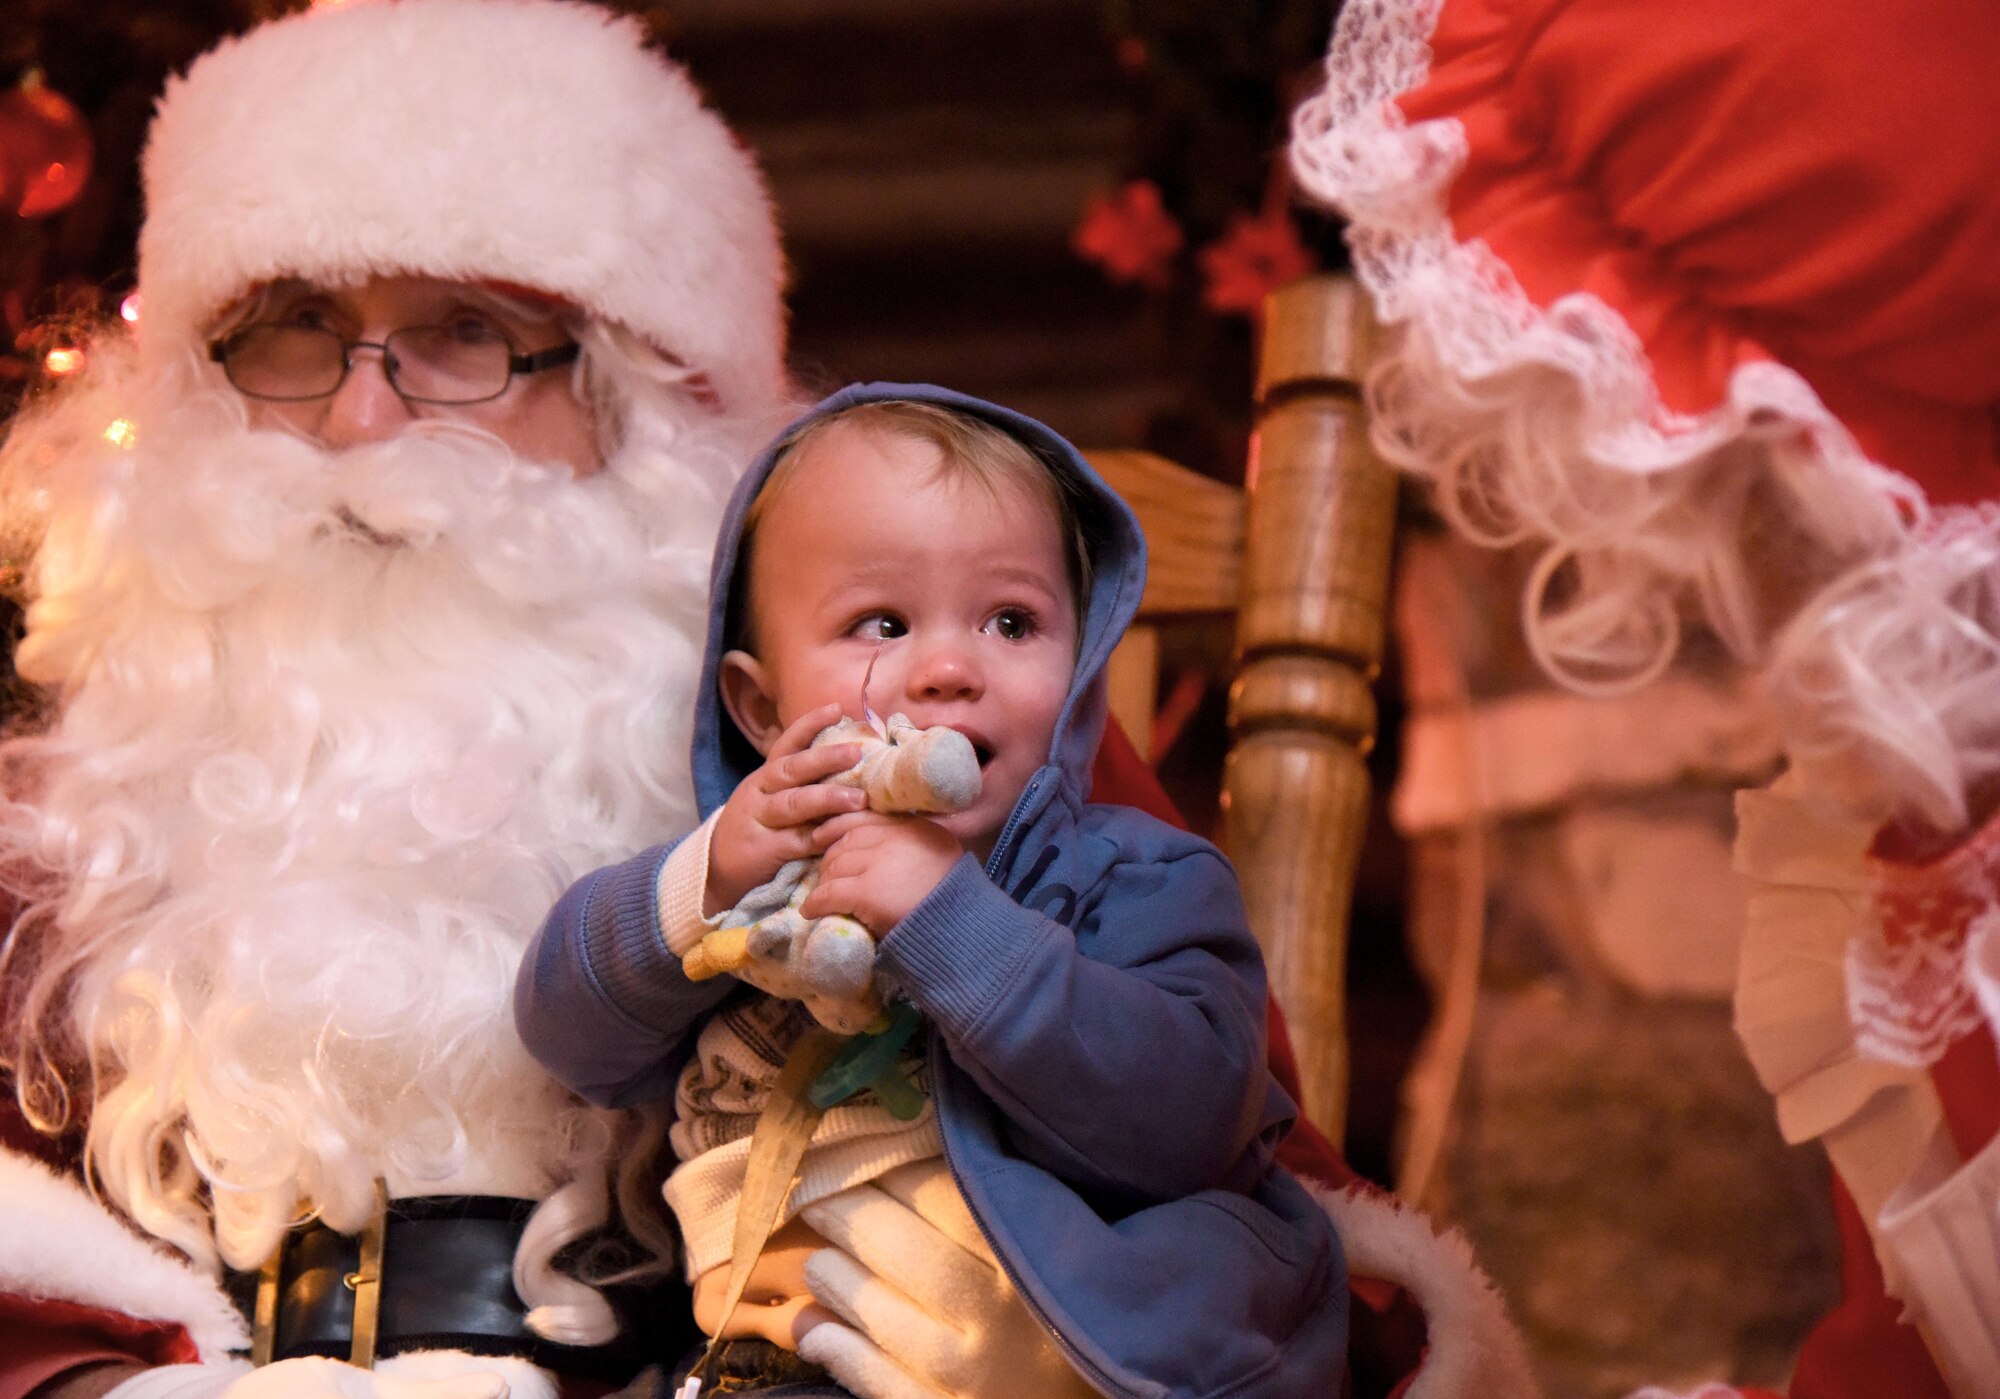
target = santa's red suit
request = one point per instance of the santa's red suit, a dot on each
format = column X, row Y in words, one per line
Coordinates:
column 330, row 731
column 1703, row 299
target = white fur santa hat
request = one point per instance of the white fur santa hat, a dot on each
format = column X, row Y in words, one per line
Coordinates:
column 531, row 142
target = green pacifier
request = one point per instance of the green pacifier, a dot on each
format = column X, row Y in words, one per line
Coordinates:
column 868, row 1062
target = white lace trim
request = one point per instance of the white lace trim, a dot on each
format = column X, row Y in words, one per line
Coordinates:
column 1545, row 424
column 1908, row 1001
column 1910, row 967
column 1982, row 966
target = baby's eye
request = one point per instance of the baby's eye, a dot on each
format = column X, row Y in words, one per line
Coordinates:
column 881, row 626
column 1013, row 624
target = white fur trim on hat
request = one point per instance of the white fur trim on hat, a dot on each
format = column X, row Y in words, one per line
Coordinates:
column 535, row 142
column 56, row 1243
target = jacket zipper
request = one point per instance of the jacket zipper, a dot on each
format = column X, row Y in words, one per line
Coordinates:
column 1014, row 820
column 1088, row 1368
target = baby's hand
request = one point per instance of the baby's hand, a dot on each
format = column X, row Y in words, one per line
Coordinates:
column 878, row 867
column 771, row 815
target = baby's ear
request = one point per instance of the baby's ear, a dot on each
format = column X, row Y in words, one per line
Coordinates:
column 746, row 694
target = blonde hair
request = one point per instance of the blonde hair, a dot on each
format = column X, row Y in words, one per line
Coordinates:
column 967, row 447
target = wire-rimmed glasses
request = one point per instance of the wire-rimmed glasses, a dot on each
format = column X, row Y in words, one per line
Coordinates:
column 454, row 363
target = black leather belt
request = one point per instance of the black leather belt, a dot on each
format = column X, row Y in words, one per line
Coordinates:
column 448, row 1283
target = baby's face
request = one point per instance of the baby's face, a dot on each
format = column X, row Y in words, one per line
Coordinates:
column 960, row 597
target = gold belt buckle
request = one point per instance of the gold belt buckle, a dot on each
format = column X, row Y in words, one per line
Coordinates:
column 264, row 1320
column 365, row 1282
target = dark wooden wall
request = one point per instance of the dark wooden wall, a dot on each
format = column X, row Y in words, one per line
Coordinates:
column 929, row 163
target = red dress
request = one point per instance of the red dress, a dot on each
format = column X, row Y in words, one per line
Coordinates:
column 1704, row 298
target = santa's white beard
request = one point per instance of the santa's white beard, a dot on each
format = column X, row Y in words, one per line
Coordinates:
column 335, row 731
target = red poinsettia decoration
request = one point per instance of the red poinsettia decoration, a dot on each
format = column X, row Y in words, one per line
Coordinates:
column 1129, row 233
column 1255, row 255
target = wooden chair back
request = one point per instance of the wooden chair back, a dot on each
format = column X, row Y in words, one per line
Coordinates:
column 1301, row 557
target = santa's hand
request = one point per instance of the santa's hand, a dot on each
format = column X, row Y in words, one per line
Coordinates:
column 313, row 1378
column 927, row 1311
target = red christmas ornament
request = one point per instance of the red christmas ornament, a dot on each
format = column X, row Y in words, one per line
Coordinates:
column 45, row 149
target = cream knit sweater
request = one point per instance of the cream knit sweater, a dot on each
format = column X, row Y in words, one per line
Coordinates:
column 738, row 1053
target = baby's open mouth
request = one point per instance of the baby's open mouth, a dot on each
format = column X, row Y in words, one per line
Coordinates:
column 983, row 753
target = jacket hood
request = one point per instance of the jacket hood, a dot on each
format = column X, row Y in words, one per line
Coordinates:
column 723, row 757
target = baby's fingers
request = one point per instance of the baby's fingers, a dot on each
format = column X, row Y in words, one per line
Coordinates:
column 800, row 733
column 843, row 894
column 835, row 828
column 799, row 806
column 813, row 765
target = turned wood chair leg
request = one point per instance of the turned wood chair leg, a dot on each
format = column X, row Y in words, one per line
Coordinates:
column 1320, row 536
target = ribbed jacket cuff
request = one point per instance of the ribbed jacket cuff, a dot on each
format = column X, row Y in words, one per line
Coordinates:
column 628, row 957
column 961, row 948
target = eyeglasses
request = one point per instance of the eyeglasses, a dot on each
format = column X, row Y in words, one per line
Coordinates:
column 467, row 362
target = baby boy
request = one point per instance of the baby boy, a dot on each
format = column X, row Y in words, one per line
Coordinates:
column 1094, row 1063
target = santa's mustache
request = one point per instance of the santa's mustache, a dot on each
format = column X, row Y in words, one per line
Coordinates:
column 366, row 533
column 223, row 511
column 160, row 472
column 422, row 486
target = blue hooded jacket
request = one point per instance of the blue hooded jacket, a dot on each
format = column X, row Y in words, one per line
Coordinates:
column 1099, row 1056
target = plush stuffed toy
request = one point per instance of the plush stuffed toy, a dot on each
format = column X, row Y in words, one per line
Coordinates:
column 828, row 964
